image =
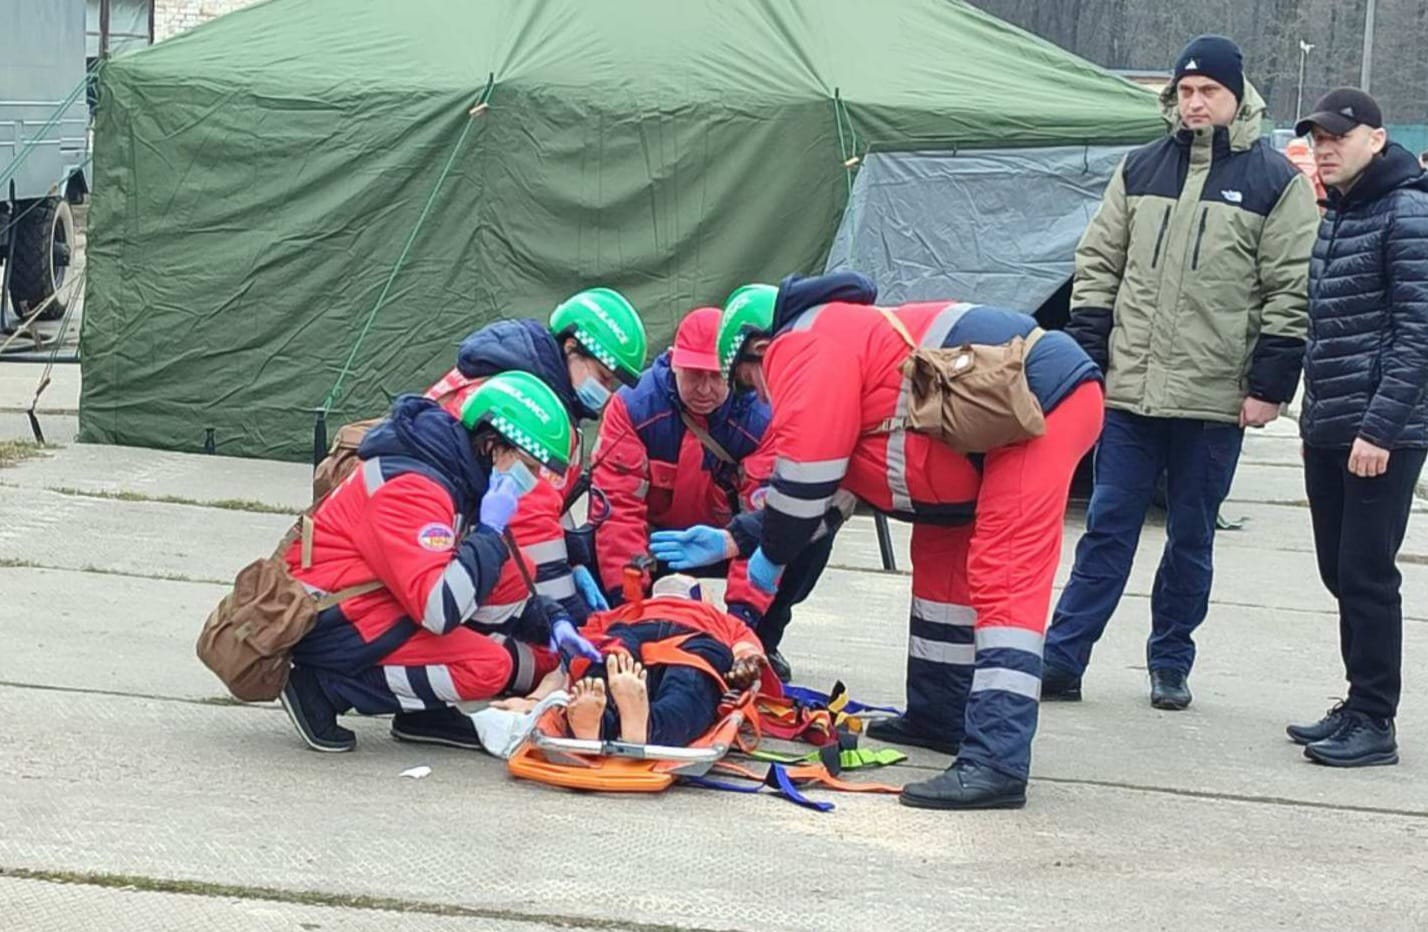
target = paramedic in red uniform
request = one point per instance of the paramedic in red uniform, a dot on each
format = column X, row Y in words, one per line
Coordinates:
column 657, row 473
column 986, row 528
column 423, row 515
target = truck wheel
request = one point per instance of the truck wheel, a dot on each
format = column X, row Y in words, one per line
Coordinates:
column 44, row 240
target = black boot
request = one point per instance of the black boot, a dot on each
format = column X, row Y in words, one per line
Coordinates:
column 314, row 714
column 1168, row 690
column 966, row 785
column 447, row 726
column 1332, row 721
column 1361, row 741
column 903, row 730
column 1059, row 685
column 779, row 665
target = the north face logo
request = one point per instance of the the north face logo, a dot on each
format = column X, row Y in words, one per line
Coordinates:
column 1234, row 197
column 1192, row 65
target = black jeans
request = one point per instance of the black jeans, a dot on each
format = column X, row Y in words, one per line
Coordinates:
column 1358, row 528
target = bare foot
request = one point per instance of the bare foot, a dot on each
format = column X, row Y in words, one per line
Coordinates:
column 587, row 706
column 627, row 688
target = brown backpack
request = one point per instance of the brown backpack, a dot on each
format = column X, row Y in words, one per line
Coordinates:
column 249, row 637
column 973, row 397
column 341, row 457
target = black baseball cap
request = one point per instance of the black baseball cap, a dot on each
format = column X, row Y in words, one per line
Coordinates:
column 1340, row 110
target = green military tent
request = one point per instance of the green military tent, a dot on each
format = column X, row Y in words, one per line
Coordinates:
column 258, row 179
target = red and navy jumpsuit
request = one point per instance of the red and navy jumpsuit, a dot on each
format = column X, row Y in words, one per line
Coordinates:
column 407, row 518
column 987, row 528
column 684, row 696
column 657, row 475
column 525, row 346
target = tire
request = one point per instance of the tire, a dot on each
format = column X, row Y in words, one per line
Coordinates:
column 44, row 243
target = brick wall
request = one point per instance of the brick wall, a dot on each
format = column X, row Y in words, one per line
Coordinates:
column 172, row 17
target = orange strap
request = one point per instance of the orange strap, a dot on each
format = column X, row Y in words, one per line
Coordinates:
column 671, row 651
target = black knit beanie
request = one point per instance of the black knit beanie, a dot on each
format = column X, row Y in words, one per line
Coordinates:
column 1216, row 58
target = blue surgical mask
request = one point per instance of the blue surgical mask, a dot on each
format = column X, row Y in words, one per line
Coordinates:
column 593, row 394
column 520, row 474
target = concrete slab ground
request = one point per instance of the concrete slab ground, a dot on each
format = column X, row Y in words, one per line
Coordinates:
column 134, row 795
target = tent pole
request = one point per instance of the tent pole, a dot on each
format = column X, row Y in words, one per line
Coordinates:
column 319, row 438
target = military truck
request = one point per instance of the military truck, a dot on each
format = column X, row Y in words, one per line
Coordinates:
column 44, row 147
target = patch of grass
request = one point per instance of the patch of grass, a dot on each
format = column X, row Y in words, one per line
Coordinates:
column 225, row 504
column 14, row 563
column 14, row 452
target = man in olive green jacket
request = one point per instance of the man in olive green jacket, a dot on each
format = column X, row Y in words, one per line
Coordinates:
column 1191, row 292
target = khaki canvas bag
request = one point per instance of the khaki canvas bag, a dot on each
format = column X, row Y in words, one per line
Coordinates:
column 249, row 637
column 341, row 457
column 973, row 397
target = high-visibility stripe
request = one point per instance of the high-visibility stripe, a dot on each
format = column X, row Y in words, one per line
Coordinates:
column 546, row 551
column 1009, row 638
column 815, row 471
column 944, row 613
column 498, row 614
column 806, row 319
column 643, row 489
column 963, row 655
column 796, row 507
column 372, row 475
column 401, row 687
column 561, row 587
column 1007, row 681
column 442, row 684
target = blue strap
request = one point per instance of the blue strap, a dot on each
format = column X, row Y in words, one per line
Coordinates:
column 813, row 697
column 709, row 784
column 777, row 779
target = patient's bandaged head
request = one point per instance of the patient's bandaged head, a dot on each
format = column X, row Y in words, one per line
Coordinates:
column 678, row 586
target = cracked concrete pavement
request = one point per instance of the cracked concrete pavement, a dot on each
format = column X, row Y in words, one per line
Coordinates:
column 134, row 796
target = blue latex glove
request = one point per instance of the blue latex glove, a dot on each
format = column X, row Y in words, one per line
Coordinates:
column 589, row 590
column 567, row 642
column 701, row 545
column 763, row 573
column 500, row 501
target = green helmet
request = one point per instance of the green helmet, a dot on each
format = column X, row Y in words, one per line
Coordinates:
column 748, row 312
column 523, row 410
column 608, row 327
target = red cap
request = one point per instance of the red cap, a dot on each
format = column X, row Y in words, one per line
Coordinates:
column 694, row 340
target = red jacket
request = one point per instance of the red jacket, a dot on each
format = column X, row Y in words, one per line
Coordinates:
column 657, row 474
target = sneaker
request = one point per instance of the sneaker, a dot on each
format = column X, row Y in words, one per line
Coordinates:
column 902, row 730
column 966, row 785
column 1059, row 685
column 447, row 726
column 1361, row 741
column 1332, row 721
column 1168, row 690
column 313, row 713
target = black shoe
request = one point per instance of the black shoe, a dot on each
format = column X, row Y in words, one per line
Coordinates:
column 1059, row 685
column 901, row 730
column 447, row 726
column 779, row 665
column 1168, row 690
column 966, row 785
column 313, row 713
column 1361, row 741
column 1324, row 728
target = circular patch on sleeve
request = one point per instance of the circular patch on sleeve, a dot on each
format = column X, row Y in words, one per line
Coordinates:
column 436, row 537
column 758, row 497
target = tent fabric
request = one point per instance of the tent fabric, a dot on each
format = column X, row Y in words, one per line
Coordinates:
column 256, row 179
column 996, row 226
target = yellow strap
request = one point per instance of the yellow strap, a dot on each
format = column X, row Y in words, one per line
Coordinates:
column 898, row 326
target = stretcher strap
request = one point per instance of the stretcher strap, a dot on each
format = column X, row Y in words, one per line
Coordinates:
column 848, row 759
column 838, row 696
column 777, row 779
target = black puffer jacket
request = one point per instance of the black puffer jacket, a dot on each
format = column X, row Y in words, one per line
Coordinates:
column 1366, row 363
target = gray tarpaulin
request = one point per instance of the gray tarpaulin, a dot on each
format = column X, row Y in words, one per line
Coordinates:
column 996, row 226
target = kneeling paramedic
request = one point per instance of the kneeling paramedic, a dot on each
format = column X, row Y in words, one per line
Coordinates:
column 676, row 450
column 595, row 342
column 667, row 663
column 986, row 526
column 422, row 518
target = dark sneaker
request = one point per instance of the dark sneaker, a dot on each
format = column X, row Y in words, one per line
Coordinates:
column 313, row 713
column 1361, row 741
column 1168, row 690
column 966, row 785
column 1332, row 721
column 779, row 665
column 447, row 726
column 902, row 730
column 1059, row 685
